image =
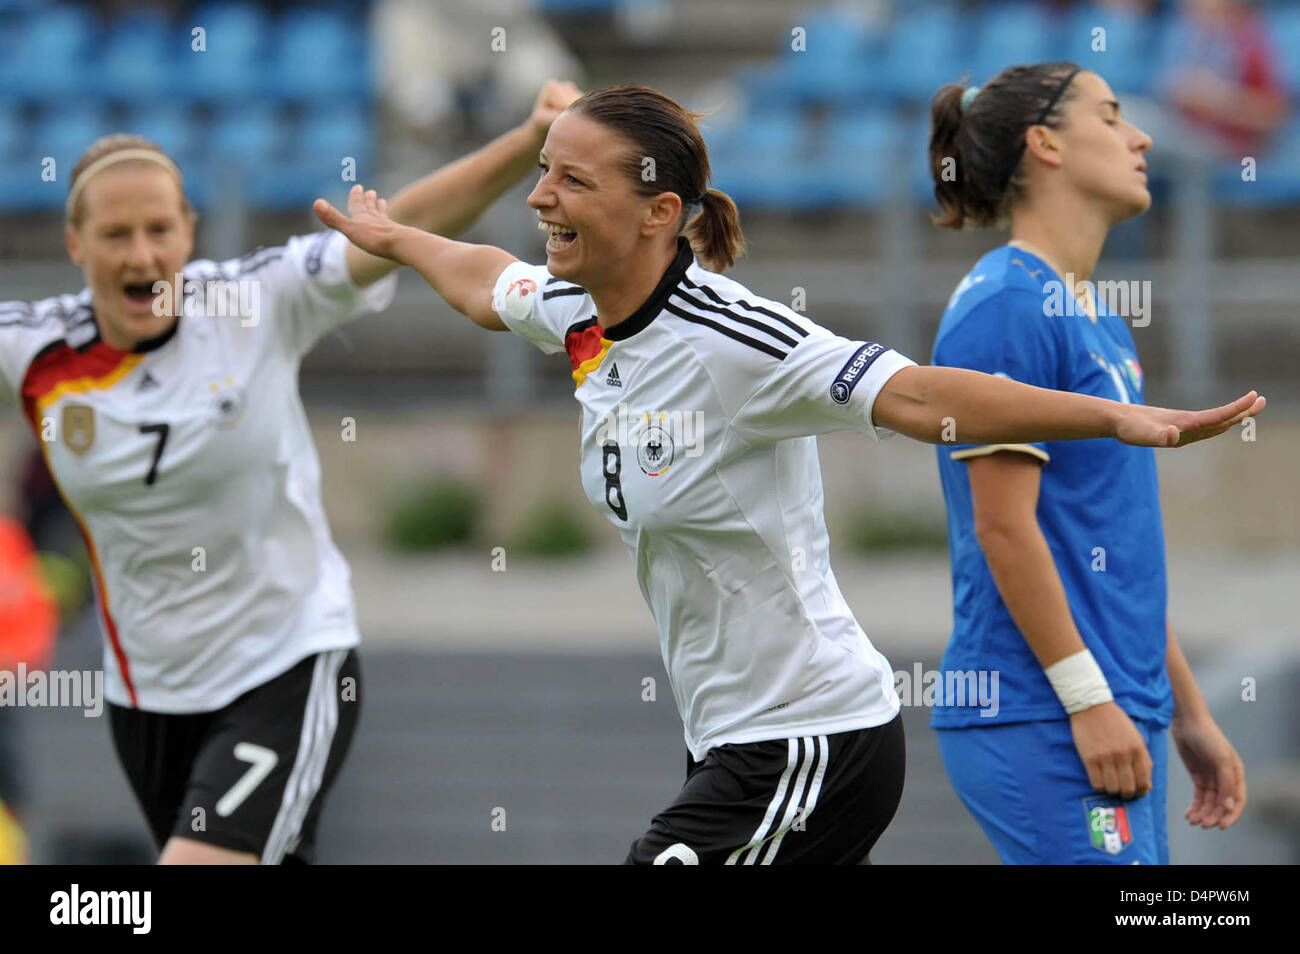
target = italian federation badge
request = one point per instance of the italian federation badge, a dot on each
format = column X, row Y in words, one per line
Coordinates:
column 1108, row 824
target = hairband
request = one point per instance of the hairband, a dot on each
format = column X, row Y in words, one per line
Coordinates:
column 118, row 155
column 968, row 97
column 1042, row 115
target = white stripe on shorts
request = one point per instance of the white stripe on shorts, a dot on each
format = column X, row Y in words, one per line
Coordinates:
column 809, row 802
column 320, row 720
column 761, row 833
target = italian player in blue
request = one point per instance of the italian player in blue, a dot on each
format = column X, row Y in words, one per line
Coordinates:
column 1058, row 556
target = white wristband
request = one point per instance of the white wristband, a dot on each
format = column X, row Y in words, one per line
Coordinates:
column 1079, row 682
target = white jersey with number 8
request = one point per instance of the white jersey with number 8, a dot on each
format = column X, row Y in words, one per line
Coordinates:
column 698, row 412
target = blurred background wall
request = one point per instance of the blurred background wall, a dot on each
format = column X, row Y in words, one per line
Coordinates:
column 523, row 689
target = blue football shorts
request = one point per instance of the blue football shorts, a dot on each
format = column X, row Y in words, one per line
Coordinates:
column 1027, row 787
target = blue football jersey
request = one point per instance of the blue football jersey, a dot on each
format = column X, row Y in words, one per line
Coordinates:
column 1098, row 506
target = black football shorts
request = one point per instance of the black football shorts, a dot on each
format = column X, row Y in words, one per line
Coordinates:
column 821, row 800
column 251, row 776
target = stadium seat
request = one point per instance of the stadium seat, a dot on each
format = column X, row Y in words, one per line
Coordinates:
column 327, row 137
column 62, row 134
column 836, row 67
column 170, row 125
column 1011, row 34
column 248, row 136
column 230, row 68
column 924, row 51
column 13, row 129
column 860, row 162
column 141, row 56
column 52, row 59
column 319, row 54
column 66, row 133
column 1125, row 62
column 763, row 161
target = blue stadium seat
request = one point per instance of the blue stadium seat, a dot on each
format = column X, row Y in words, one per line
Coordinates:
column 13, row 129
column 1125, row 63
column 67, row 132
column 22, row 190
column 142, row 56
column 230, row 67
column 249, row 137
column 860, row 163
column 333, row 132
column 170, row 125
column 52, row 59
column 318, row 54
column 1013, row 34
column 837, row 65
column 62, row 134
column 924, row 52
column 764, row 160
column 1284, row 29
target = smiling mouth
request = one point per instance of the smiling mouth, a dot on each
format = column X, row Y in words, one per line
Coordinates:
column 139, row 293
column 561, row 237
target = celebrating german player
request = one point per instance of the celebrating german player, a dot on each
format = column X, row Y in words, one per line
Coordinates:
column 790, row 715
column 173, row 427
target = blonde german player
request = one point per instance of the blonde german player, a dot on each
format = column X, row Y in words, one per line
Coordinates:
column 790, row 716
column 173, row 427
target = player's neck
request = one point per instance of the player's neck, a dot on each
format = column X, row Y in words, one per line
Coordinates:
column 631, row 287
column 1070, row 243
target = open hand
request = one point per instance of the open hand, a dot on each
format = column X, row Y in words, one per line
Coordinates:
column 366, row 225
column 1162, row 427
column 1216, row 771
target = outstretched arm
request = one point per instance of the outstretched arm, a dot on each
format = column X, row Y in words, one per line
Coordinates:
column 461, row 273
column 975, row 408
column 450, row 200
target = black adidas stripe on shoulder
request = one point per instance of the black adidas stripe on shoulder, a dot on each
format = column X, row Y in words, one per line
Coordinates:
column 14, row 313
column 582, row 325
column 729, row 332
column 564, row 290
column 754, row 323
column 797, row 329
column 54, row 345
column 246, row 269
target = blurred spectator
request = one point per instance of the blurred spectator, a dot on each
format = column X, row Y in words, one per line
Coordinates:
column 1222, row 80
column 457, row 68
column 28, row 623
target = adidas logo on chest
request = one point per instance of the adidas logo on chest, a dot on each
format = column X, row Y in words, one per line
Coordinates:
column 612, row 379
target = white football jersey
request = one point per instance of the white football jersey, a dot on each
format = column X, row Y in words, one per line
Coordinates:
column 698, row 416
column 189, row 464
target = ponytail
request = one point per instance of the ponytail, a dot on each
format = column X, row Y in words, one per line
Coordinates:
column 714, row 233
